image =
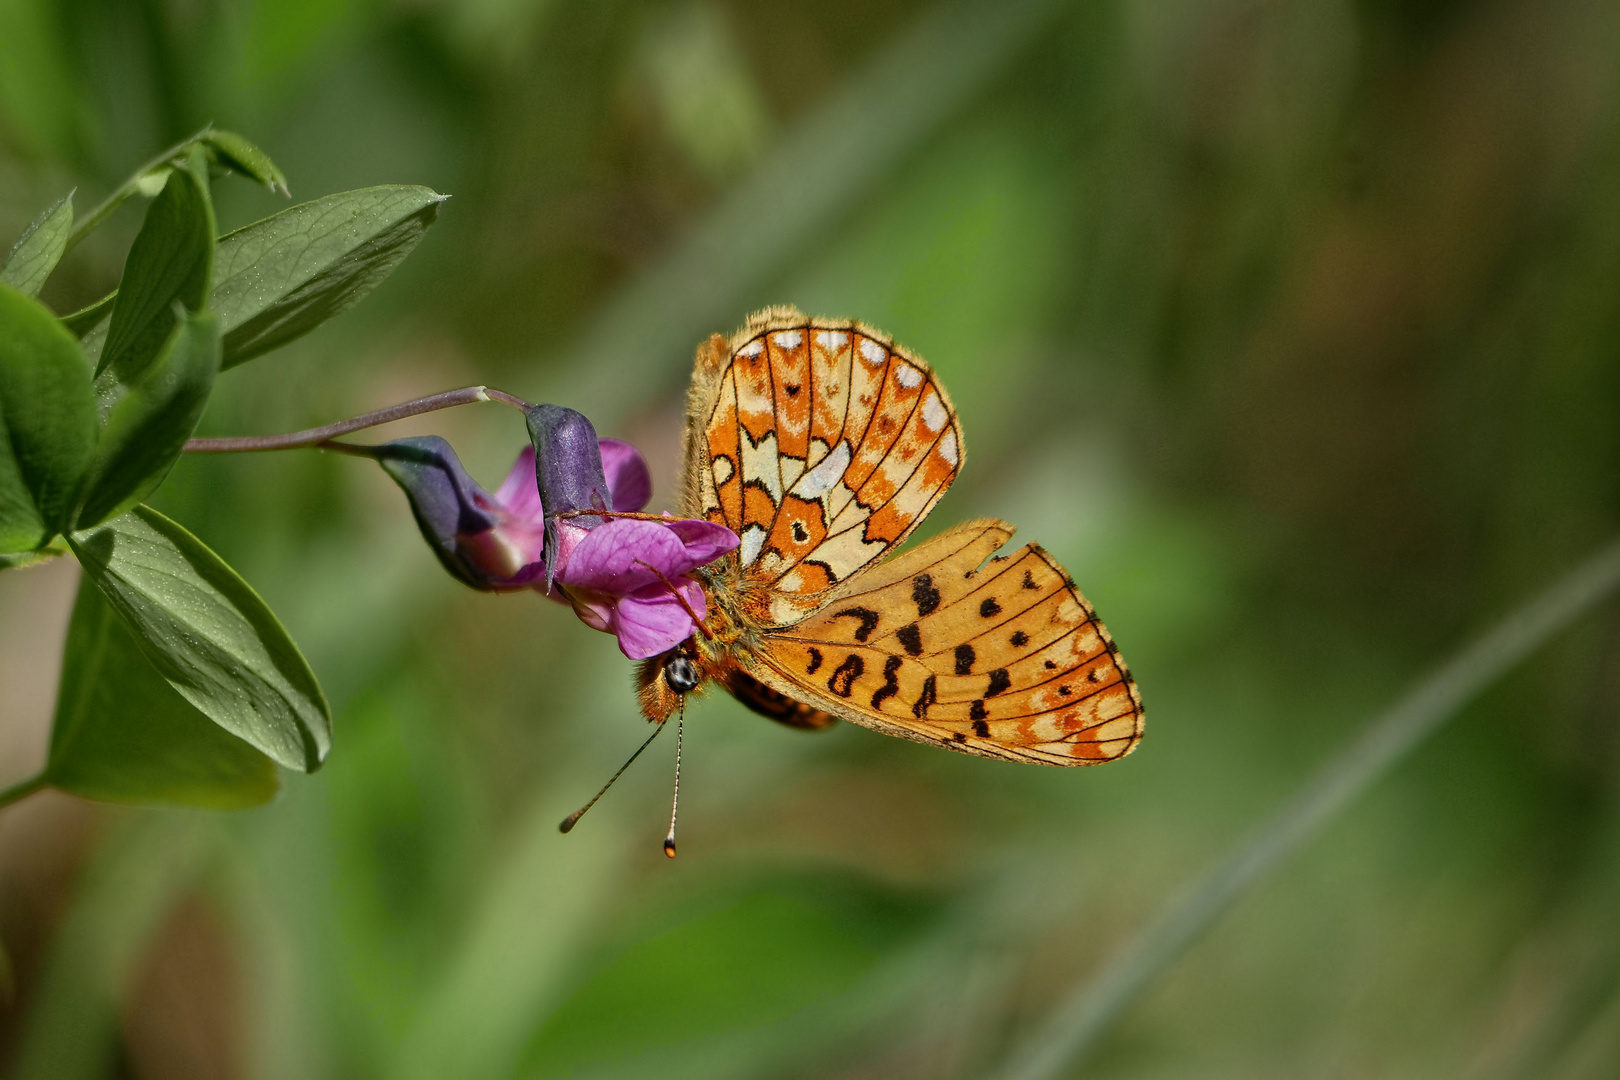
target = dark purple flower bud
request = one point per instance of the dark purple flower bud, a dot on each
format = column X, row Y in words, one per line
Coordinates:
column 480, row 540
column 568, row 466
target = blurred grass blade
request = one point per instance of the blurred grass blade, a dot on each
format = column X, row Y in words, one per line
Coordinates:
column 40, row 248
column 519, row 950
column 279, row 278
column 122, row 733
column 209, row 634
column 231, row 151
column 47, row 422
column 637, row 346
column 151, row 421
column 1075, row 1026
column 171, row 262
column 71, row 1028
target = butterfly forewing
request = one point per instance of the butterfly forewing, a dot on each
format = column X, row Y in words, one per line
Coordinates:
column 1002, row 658
column 826, row 446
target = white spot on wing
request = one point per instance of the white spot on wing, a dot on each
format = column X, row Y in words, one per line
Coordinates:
column 832, row 340
column 753, row 348
column 872, row 352
column 947, row 447
column 753, row 539
column 789, row 339
column 909, row 376
column 820, row 480
column 933, row 412
column 722, row 469
column 791, row 468
column 759, row 463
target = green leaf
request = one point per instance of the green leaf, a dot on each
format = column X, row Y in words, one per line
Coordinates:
column 47, row 422
column 36, row 254
column 150, row 423
column 86, row 319
column 170, row 262
column 235, row 153
column 123, row 734
column 279, row 278
column 209, row 634
column 54, row 550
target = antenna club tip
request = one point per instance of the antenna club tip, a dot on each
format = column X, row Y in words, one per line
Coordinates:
column 669, row 848
column 567, row 823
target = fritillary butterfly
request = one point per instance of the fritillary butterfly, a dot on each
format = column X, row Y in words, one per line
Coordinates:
column 823, row 444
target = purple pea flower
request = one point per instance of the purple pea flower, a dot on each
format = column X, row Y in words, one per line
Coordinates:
column 626, row 577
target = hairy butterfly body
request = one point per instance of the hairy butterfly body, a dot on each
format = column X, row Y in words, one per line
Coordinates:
column 823, row 445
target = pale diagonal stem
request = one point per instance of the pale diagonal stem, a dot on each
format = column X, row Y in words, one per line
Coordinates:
column 1076, row 1025
column 815, row 172
column 467, row 395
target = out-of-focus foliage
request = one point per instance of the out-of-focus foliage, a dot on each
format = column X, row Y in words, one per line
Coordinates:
column 1290, row 328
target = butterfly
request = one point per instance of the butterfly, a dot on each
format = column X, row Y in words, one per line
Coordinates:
column 822, row 444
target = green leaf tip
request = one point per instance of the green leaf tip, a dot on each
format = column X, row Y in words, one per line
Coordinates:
column 40, row 248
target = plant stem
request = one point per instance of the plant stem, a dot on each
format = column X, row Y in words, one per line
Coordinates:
column 126, row 189
column 1093, row 1006
column 20, row 791
column 316, row 437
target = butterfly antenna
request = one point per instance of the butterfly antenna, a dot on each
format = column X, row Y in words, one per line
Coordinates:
column 571, row 820
column 675, row 803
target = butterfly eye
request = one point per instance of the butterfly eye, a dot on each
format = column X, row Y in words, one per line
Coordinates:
column 681, row 675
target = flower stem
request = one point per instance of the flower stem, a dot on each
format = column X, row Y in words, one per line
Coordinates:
column 20, row 791
column 317, row 436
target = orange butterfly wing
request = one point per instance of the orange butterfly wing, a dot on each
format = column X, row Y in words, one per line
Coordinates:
column 1004, row 659
column 822, row 444
column 819, row 442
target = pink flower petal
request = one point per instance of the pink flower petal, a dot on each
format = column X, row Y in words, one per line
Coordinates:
column 704, row 540
column 621, row 556
column 627, row 477
column 519, row 493
column 652, row 620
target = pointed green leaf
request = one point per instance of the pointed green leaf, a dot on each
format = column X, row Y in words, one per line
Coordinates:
column 36, row 254
column 122, row 733
column 151, row 421
column 209, row 634
column 279, row 278
column 47, row 422
column 171, row 262
column 235, row 153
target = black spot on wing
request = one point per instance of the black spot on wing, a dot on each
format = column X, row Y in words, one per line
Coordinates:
column 924, row 594
column 815, row 662
column 981, row 729
column 964, row 659
column 977, row 711
column 989, row 609
column 999, row 682
column 919, row 708
column 842, row 680
column 910, row 639
column 868, row 618
column 1029, row 581
column 891, row 685
column 1019, row 639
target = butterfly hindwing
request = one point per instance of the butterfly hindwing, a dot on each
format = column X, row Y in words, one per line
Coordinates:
column 1003, row 658
column 822, row 444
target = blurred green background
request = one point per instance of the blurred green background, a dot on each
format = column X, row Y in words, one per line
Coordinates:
column 1291, row 326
